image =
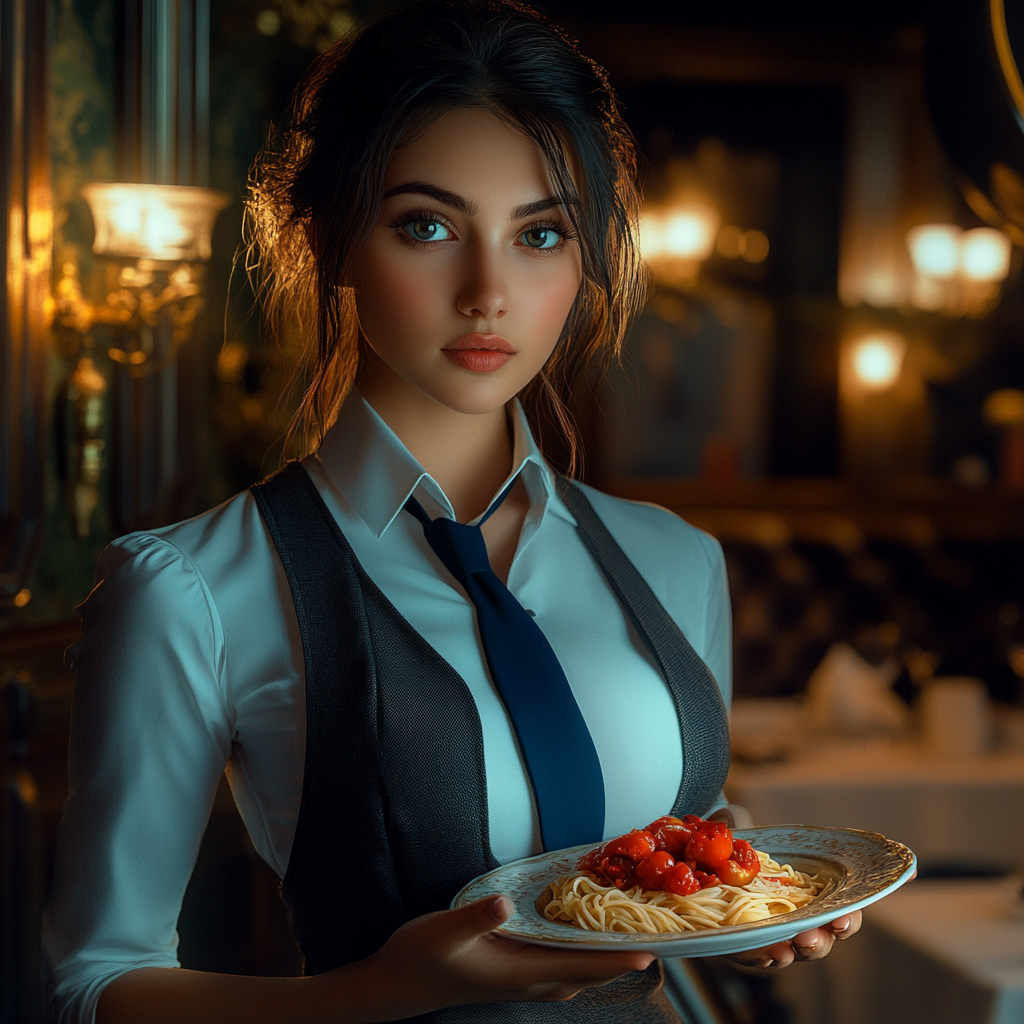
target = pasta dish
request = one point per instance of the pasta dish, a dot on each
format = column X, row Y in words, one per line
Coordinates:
column 676, row 875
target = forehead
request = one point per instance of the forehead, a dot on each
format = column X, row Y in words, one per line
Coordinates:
column 472, row 152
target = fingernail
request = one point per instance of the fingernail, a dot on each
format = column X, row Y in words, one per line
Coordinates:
column 805, row 950
column 500, row 910
column 840, row 930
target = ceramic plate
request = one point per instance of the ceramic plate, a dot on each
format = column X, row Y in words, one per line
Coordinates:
column 861, row 867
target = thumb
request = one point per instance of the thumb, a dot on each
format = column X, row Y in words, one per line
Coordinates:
column 480, row 917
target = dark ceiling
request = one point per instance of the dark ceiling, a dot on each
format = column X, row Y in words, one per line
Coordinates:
column 835, row 15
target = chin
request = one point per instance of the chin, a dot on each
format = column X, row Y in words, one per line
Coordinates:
column 476, row 397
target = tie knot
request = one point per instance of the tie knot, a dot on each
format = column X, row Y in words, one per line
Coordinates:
column 460, row 547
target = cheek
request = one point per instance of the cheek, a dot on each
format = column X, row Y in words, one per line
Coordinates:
column 391, row 298
column 549, row 304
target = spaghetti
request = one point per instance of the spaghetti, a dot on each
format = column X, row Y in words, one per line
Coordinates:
column 584, row 901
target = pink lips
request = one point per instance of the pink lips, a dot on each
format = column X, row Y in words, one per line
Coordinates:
column 479, row 353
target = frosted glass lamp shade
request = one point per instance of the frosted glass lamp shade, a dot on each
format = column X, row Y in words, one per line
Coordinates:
column 158, row 222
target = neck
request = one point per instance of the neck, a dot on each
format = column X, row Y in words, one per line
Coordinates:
column 470, row 456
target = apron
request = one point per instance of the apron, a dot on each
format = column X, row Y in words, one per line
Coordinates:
column 393, row 818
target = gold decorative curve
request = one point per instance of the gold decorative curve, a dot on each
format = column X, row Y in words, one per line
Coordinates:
column 1004, row 52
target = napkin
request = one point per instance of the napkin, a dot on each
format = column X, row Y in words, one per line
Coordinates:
column 849, row 696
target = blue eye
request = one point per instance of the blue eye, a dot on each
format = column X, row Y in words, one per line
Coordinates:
column 424, row 230
column 541, row 238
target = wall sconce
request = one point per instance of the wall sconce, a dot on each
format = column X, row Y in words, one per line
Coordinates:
column 877, row 359
column 152, row 241
column 883, row 410
column 675, row 241
column 958, row 272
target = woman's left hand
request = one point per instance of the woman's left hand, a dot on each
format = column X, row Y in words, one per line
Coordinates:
column 809, row 945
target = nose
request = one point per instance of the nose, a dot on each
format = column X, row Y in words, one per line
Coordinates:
column 484, row 290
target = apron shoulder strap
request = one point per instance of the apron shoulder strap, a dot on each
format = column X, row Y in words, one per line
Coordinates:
column 702, row 716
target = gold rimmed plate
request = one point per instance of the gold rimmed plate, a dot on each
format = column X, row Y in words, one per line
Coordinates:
column 859, row 867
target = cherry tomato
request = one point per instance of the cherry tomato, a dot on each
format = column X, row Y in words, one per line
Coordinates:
column 673, row 837
column 742, row 866
column 652, row 870
column 665, row 819
column 618, row 869
column 680, row 881
column 637, row 844
column 711, row 845
column 591, row 861
column 705, row 879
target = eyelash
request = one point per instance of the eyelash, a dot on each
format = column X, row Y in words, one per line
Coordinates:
column 561, row 227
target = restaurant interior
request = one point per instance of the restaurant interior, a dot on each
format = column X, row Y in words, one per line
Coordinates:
column 828, row 377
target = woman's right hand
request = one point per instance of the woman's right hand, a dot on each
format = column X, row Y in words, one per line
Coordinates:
column 454, row 957
column 443, row 959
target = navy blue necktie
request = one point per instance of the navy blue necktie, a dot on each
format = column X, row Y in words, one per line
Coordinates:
column 553, row 737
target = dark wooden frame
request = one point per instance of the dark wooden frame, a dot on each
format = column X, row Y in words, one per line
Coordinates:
column 25, row 264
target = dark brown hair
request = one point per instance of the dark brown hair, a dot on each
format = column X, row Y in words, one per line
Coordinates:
column 315, row 191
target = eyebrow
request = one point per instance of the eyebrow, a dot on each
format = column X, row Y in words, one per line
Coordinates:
column 470, row 209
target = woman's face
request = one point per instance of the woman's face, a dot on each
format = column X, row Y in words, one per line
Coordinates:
column 467, row 279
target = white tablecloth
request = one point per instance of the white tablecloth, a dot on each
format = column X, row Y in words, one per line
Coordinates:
column 897, row 788
column 936, row 952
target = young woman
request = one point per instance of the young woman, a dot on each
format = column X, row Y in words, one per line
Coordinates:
column 450, row 219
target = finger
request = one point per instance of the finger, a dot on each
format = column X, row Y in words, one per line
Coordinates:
column 476, row 919
column 753, row 958
column 813, row 944
column 779, row 955
column 844, row 927
column 579, row 967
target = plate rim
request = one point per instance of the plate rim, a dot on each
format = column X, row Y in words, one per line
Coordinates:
column 717, row 941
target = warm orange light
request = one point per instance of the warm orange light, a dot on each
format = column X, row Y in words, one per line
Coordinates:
column 985, row 254
column 730, row 242
column 689, row 233
column 755, row 246
column 159, row 222
column 685, row 231
column 1005, row 408
column 877, row 360
column 652, row 243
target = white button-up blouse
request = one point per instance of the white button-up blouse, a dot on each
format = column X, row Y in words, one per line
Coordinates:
column 190, row 661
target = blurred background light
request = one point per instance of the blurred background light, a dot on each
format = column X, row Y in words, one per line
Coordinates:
column 1005, row 408
column 689, row 233
column 985, row 254
column 755, row 246
column 651, row 236
column 730, row 242
column 159, row 222
column 877, row 360
column 935, row 249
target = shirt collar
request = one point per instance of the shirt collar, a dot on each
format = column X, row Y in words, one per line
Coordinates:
column 374, row 471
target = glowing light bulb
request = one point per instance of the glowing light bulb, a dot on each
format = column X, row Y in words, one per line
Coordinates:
column 690, row 232
column 935, row 249
column 877, row 360
column 985, row 254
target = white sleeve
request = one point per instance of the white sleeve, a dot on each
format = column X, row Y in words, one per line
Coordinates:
column 150, row 735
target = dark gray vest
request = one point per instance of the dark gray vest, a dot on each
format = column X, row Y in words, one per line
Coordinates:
column 393, row 820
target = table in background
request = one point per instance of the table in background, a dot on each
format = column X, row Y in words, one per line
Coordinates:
column 897, row 788
column 936, row 952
